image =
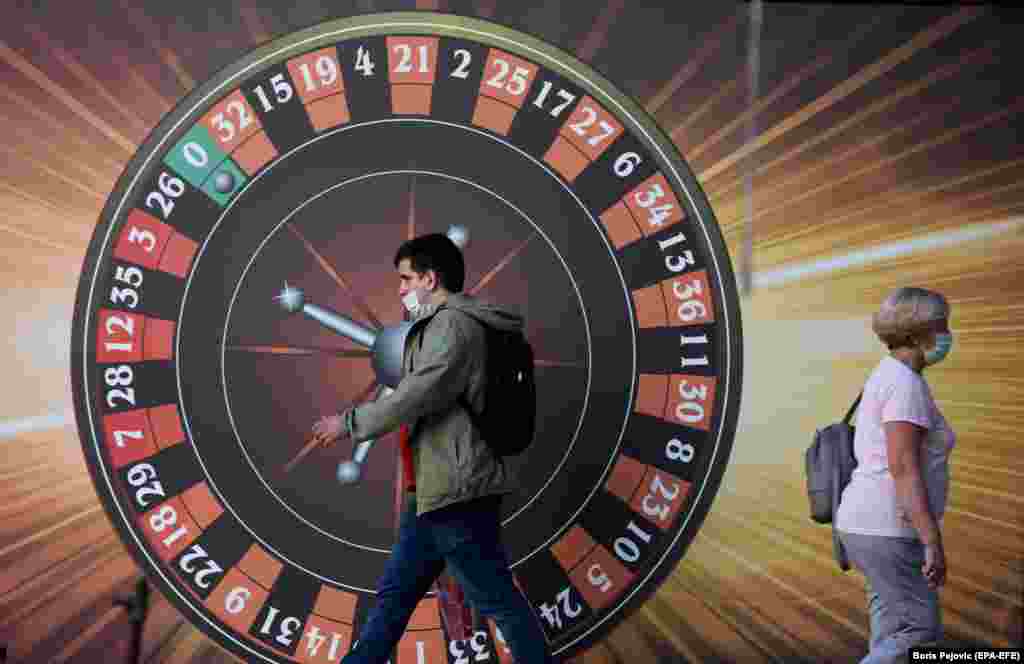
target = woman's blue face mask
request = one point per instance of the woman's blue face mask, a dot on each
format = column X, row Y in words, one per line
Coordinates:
column 943, row 344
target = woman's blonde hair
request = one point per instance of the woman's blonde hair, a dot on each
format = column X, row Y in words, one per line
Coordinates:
column 906, row 314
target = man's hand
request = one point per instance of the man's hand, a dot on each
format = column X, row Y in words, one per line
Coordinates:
column 328, row 430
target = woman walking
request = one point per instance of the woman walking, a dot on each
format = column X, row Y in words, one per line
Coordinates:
column 889, row 517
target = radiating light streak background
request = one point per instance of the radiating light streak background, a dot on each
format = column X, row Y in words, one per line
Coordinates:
column 887, row 152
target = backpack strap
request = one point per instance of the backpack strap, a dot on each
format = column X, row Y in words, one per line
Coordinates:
column 463, row 399
column 853, row 407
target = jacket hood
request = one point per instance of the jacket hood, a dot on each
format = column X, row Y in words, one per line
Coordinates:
column 495, row 315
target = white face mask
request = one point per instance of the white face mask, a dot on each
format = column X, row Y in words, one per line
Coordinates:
column 411, row 302
column 415, row 303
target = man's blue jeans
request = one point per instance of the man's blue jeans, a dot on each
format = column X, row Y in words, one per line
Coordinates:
column 467, row 537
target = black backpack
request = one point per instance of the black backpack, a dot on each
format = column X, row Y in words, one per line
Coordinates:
column 510, row 396
column 829, row 463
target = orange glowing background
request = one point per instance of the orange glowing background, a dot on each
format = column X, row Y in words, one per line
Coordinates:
column 846, row 150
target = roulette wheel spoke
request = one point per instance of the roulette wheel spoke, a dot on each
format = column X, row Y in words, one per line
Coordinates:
column 312, row 443
column 326, row 266
column 484, row 280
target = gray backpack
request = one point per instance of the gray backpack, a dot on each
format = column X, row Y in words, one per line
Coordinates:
column 829, row 462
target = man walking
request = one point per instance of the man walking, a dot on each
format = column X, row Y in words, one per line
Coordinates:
column 454, row 482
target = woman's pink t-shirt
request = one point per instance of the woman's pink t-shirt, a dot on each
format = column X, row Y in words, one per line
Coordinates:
column 869, row 504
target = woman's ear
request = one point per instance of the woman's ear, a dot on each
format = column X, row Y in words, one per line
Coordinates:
column 924, row 340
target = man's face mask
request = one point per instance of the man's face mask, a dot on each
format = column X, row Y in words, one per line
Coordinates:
column 417, row 302
column 413, row 302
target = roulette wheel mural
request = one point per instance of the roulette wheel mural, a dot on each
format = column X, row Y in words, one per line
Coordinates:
column 238, row 287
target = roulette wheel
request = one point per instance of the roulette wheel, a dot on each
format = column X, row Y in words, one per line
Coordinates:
column 306, row 163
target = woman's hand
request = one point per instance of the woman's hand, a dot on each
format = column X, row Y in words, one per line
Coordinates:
column 934, row 568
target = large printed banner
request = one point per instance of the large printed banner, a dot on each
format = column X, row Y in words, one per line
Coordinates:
column 201, row 203
column 267, row 181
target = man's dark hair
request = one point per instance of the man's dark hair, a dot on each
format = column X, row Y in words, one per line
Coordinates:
column 436, row 252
